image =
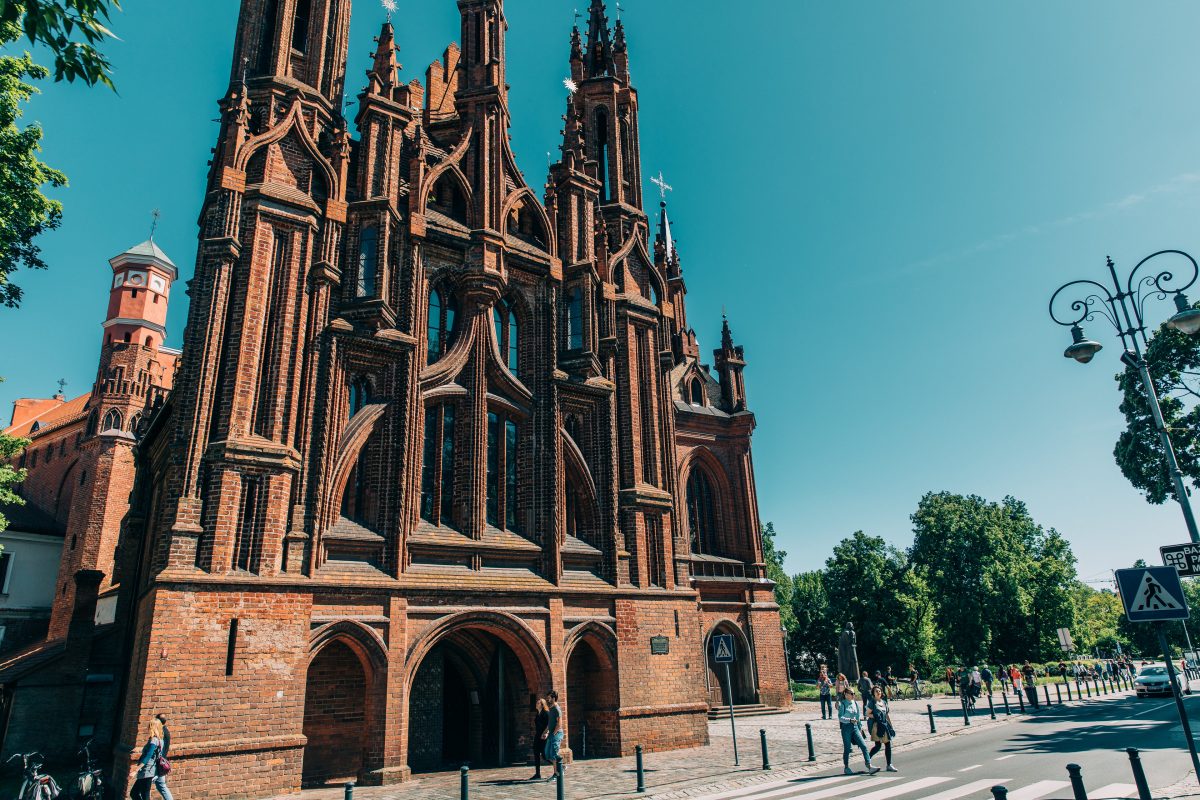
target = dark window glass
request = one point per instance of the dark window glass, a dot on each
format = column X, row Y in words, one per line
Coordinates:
column 447, row 488
column 493, row 470
column 300, row 26
column 368, row 251
column 701, row 513
column 508, row 335
column 360, row 395
column 510, row 475
column 574, row 319
column 440, row 324
column 5, row 568
column 429, row 465
column 697, row 393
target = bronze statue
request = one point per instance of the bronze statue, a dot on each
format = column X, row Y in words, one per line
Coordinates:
column 848, row 654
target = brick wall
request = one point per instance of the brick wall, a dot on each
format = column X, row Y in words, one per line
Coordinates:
column 334, row 716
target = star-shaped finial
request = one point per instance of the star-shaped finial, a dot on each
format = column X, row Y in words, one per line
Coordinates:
column 572, row 87
column 390, row 7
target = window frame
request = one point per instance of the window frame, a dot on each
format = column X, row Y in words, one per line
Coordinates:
column 447, row 318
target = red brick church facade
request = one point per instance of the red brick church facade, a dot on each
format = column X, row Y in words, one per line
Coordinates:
column 435, row 445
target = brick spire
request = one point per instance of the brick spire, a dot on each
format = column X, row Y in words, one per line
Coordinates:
column 600, row 48
column 384, row 73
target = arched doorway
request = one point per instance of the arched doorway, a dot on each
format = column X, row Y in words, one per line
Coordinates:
column 335, row 715
column 741, row 671
column 593, row 730
column 471, row 701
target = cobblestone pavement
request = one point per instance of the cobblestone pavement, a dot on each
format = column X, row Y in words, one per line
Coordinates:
column 680, row 774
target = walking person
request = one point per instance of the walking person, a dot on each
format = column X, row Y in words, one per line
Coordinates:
column 160, row 779
column 553, row 735
column 951, row 681
column 915, row 678
column 865, row 685
column 540, row 720
column 840, row 685
column 879, row 725
column 1030, row 676
column 849, row 718
column 148, row 762
column 826, row 690
column 1014, row 675
column 986, row 674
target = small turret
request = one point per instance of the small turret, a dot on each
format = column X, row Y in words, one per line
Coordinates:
column 385, row 71
column 137, row 302
column 600, row 49
column 730, row 361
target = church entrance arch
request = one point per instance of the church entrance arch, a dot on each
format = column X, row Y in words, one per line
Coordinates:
column 741, row 671
column 593, row 729
column 341, row 708
column 472, row 693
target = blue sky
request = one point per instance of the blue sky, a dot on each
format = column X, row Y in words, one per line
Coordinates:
column 883, row 195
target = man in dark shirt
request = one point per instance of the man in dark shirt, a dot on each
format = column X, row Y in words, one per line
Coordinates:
column 554, row 733
column 865, row 685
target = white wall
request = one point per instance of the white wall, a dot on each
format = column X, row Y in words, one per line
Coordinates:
column 33, row 569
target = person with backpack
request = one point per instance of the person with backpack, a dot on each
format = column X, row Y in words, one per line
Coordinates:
column 825, row 686
column 986, row 674
column 148, row 762
column 553, row 734
column 849, row 719
column 879, row 725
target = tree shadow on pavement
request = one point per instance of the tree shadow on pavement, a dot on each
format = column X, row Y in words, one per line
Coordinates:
column 1085, row 737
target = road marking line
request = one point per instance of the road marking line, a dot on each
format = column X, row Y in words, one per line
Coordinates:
column 792, row 783
column 973, row 766
column 903, row 788
column 1155, row 708
column 978, row 787
column 1114, row 790
column 1035, row 790
column 1007, row 757
column 802, row 791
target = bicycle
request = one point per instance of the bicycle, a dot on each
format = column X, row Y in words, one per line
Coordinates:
column 35, row 785
column 905, row 690
column 89, row 783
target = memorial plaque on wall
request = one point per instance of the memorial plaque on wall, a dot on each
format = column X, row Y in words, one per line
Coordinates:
column 659, row 645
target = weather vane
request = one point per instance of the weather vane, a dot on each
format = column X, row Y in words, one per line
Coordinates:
column 619, row 10
column 663, row 186
column 390, row 7
column 578, row 17
column 62, row 384
column 154, row 223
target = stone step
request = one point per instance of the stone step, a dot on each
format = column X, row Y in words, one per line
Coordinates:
column 748, row 710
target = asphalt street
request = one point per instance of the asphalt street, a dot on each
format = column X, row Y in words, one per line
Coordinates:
column 1028, row 756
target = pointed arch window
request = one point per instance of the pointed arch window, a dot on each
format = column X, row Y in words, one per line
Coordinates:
column 502, row 472
column 602, row 152
column 702, row 518
column 697, row 392
column 112, row 421
column 368, row 257
column 440, row 323
column 437, row 469
column 574, row 318
column 360, row 395
column 300, row 25
column 508, row 335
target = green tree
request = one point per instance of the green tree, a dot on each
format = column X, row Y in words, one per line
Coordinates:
column 974, row 556
column 1173, row 360
column 71, row 29
column 813, row 640
column 774, row 558
column 1097, row 617
column 10, row 476
column 1053, row 578
column 868, row 584
column 25, row 212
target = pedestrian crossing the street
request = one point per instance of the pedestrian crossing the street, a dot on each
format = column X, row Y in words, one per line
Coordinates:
column 880, row 787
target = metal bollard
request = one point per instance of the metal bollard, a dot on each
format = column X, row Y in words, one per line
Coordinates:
column 991, row 707
column 1089, row 689
column 812, row 756
column 464, row 783
column 558, row 780
column 1046, row 688
column 1058, row 691
column 1021, row 700
column 1076, row 773
column 641, row 770
column 762, row 737
column 932, row 724
column 349, row 787
column 966, row 714
column 1007, row 708
column 1078, row 689
column 1000, row 792
column 1139, row 773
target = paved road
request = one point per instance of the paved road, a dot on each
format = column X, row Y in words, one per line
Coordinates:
column 1028, row 756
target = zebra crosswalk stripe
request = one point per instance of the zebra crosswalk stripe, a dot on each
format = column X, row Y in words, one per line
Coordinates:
column 1113, row 791
column 1036, row 790
column 981, row 788
column 902, row 788
column 804, row 793
column 806, row 783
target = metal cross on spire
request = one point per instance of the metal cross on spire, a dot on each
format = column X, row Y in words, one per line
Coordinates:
column 663, row 186
column 578, row 17
column 62, row 384
column 154, row 223
column 390, row 7
column 619, row 10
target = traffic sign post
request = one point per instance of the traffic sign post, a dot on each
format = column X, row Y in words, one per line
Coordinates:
column 1155, row 594
column 724, row 651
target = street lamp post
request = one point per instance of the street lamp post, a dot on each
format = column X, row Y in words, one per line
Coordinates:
column 1124, row 307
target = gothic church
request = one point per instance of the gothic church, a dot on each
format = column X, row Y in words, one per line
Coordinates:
column 435, row 444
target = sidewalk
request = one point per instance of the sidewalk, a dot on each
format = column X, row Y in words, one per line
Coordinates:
column 679, row 774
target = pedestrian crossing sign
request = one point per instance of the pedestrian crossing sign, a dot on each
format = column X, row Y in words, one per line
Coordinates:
column 722, row 648
column 1152, row 594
